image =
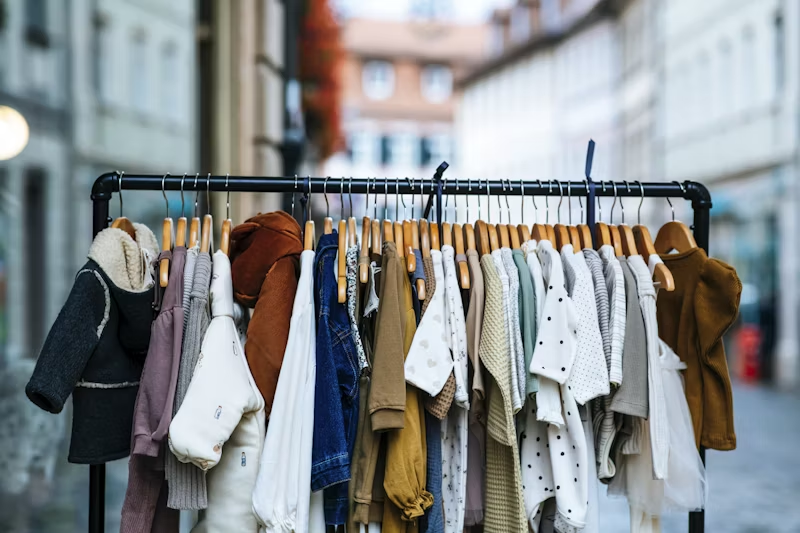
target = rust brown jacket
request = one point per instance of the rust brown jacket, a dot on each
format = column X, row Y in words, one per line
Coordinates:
column 265, row 255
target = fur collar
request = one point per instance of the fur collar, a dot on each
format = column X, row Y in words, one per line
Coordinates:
column 125, row 261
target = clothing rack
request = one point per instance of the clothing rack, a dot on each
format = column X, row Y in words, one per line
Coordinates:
column 109, row 183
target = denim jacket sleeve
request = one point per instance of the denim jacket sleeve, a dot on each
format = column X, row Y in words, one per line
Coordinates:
column 387, row 393
column 330, row 458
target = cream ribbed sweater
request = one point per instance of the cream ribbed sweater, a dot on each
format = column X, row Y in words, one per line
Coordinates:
column 504, row 506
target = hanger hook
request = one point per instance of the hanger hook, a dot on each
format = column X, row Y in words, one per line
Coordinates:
column 293, row 192
column 400, row 196
column 536, row 207
column 341, row 198
column 639, row 211
column 455, row 204
column 599, row 203
column 614, row 185
column 621, row 205
column 421, row 197
column 228, row 197
column 561, row 199
column 489, row 201
column 350, row 194
column 208, row 191
column 569, row 201
column 480, row 186
column 411, row 183
column 325, row 194
column 385, row 197
column 508, row 207
column 164, row 192
column 547, row 202
column 375, row 198
column 469, row 191
column 119, row 186
column 499, row 205
column 183, row 205
column 522, row 199
column 580, row 199
column 196, row 194
column 671, row 207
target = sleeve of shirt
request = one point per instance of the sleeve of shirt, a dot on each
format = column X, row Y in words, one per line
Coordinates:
column 70, row 343
column 387, row 392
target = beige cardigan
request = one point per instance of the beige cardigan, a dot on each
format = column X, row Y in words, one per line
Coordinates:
column 505, row 510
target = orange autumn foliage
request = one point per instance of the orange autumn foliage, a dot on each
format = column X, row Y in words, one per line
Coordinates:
column 320, row 63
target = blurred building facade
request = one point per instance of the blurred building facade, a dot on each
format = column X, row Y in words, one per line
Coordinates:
column 669, row 89
column 731, row 104
column 399, row 82
column 35, row 43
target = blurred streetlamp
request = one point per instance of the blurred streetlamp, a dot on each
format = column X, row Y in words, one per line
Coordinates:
column 14, row 133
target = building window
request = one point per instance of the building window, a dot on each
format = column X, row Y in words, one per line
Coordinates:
column 378, row 79
column 440, row 148
column 386, row 150
column 139, row 83
column 404, row 150
column 496, row 39
column 520, row 24
column 170, row 82
column 101, row 58
column 437, row 83
column 36, row 22
column 361, row 145
column 780, row 53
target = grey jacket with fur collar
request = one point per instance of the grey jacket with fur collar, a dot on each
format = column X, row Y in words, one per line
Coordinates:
column 97, row 345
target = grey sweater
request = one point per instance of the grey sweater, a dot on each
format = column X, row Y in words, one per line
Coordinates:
column 187, row 483
column 631, row 398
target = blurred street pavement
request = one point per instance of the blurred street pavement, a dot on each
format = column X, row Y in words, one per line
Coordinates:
column 753, row 489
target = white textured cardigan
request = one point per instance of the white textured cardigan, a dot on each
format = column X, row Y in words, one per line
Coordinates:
column 222, row 409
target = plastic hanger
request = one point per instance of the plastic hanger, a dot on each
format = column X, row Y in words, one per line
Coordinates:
column 194, row 226
column 562, row 234
column 206, row 233
column 166, row 239
column 227, row 224
column 309, row 231
column 602, row 233
column 644, row 244
column 122, row 222
column 675, row 235
column 616, row 238
column 180, row 233
column 363, row 263
column 584, row 235
column 625, row 231
column 458, row 244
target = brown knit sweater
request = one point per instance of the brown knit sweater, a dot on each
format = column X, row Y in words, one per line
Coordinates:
column 692, row 320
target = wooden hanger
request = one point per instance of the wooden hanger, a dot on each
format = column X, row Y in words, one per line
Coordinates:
column 447, row 234
column 408, row 243
column 309, row 236
column 341, row 266
column 424, row 238
column 205, row 235
column 469, row 236
column 363, row 265
column 434, row 228
column 674, row 235
column 227, row 224
column 122, row 222
column 483, row 237
column 494, row 241
column 166, row 240
column 398, row 239
column 458, row 244
column 644, row 245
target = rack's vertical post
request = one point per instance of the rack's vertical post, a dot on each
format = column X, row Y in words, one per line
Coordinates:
column 97, row 473
column 701, row 204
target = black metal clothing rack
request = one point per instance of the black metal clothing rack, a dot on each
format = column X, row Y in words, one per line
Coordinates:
column 109, row 183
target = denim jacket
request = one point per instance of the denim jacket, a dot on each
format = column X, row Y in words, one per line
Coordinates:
column 336, row 398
